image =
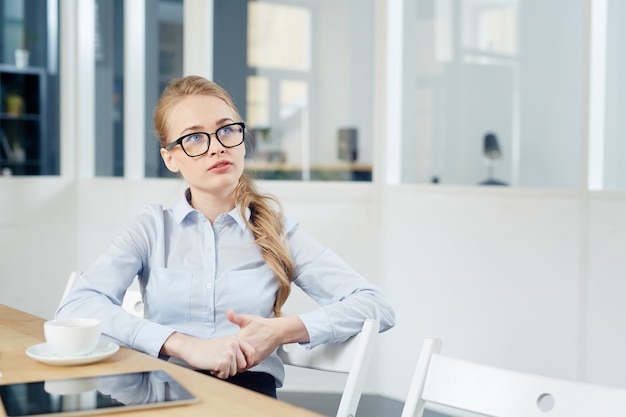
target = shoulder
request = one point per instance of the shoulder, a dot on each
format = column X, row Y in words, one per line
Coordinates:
column 159, row 214
column 154, row 218
column 290, row 224
column 151, row 212
column 147, row 219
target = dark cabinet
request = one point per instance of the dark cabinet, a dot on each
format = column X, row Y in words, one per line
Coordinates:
column 23, row 124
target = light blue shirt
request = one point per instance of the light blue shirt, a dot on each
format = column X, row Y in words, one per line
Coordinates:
column 191, row 272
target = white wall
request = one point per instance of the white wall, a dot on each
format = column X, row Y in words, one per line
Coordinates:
column 37, row 241
column 529, row 279
column 106, row 205
column 605, row 336
column 494, row 273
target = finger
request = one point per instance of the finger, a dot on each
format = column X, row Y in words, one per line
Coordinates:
column 235, row 318
column 242, row 362
column 249, row 352
column 223, row 368
column 219, row 374
column 241, row 320
column 233, row 364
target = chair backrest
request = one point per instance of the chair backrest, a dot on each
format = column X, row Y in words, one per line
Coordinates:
column 132, row 302
column 498, row 392
column 70, row 283
column 351, row 357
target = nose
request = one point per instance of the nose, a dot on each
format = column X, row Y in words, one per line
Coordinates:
column 215, row 146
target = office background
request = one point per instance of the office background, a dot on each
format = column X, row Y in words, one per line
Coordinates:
column 528, row 276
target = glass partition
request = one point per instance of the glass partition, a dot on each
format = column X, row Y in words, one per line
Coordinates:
column 494, row 92
column 522, row 93
column 163, row 62
column 109, row 88
column 302, row 74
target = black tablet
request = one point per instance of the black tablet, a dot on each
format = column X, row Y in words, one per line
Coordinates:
column 99, row 394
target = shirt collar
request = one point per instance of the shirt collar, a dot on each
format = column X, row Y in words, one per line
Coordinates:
column 235, row 214
column 183, row 208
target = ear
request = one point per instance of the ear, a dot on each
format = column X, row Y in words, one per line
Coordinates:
column 169, row 161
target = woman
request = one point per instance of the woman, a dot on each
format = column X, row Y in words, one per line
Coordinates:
column 216, row 268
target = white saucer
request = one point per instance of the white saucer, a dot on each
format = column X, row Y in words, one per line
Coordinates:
column 42, row 353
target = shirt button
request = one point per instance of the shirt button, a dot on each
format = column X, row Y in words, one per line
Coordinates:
column 209, row 285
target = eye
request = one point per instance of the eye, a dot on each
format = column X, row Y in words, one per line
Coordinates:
column 193, row 138
column 227, row 130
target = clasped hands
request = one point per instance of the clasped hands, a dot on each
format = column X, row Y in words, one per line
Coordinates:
column 226, row 356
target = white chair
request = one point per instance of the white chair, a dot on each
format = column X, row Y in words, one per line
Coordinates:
column 470, row 387
column 132, row 302
column 351, row 357
column 70, row 283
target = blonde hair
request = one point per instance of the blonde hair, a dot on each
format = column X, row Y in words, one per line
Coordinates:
column 180, row 88
column 266, row 211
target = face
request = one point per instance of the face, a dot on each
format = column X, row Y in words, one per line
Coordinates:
column 217, row 171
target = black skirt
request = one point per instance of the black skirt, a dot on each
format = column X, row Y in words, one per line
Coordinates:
column 256, row 381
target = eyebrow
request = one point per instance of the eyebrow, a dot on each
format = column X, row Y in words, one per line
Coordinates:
column 195, row 128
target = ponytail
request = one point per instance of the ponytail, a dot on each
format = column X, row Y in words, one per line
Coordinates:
column 269, row 234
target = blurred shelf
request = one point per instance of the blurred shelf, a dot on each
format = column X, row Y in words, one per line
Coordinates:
column 23, row 123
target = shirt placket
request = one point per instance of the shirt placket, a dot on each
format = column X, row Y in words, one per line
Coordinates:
column 210, row 271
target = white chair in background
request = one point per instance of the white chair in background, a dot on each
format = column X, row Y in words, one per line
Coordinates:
column 351, row 357
column 476, row 388
column 70, row 283
column 132, row 302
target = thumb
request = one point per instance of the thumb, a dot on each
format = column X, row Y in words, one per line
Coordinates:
column 237, row 319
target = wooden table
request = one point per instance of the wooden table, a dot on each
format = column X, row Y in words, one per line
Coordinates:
column 19, row 330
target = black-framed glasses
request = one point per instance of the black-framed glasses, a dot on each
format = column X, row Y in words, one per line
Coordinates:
column 197, row 143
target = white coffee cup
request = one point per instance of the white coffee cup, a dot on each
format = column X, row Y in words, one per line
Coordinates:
column 72, row 337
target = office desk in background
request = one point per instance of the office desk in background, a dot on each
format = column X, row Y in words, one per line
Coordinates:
column 19, row 330
column 316, row 172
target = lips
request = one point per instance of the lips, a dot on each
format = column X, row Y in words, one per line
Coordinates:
column 220, row 164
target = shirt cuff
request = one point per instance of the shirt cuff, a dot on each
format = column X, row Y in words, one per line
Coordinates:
column 319, row 327
column 151, row 337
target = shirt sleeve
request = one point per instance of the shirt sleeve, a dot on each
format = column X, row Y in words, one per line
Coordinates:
column 345, row 297
column 99, row 291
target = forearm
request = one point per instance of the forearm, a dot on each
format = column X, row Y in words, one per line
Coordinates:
column 336, row 322
column 174, row 345
column 290, row 330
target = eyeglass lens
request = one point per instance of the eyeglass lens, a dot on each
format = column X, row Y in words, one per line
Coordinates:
column 196, row 144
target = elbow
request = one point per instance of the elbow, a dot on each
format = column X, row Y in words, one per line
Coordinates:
column 387, row 319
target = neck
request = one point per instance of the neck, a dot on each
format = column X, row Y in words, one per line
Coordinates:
column 212, row 205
